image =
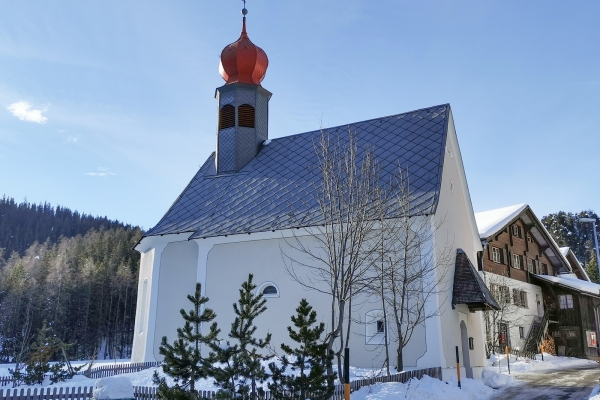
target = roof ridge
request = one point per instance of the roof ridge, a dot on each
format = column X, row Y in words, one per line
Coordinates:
column 361, row 122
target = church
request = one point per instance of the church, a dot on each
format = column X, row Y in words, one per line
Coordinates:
column 253, row 194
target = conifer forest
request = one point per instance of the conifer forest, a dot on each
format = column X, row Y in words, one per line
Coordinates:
column 75, row 272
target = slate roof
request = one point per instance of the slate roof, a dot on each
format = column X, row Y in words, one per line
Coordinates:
column 276, row 190
column 469, row 287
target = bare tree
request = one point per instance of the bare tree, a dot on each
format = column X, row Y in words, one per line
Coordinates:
column 410, row 270
column 339, row 249
column 506, row 291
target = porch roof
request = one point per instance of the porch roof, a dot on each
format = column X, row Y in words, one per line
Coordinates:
column 469, row 287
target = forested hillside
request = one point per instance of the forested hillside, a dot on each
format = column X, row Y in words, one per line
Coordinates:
column 568, row 231
column 79, row 273
column 23, row 224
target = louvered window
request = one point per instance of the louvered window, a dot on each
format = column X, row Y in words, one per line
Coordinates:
column 246, row 116
column 227, row 117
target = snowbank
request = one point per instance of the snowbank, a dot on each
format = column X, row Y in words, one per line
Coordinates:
column 498, row 363
column 426, row 389
column 595, row 395
column 114, row 387
column 496, row 380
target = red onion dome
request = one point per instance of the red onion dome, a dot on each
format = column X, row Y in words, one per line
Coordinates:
column 243, row 61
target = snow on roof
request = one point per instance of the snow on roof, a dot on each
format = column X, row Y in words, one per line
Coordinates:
column 565, row 250
column 492, row 221
column 573, row 282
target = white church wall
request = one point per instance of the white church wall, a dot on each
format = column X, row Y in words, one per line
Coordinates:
column 177, row 279
column 458, row 230
column 228, row 266
column 140, row 335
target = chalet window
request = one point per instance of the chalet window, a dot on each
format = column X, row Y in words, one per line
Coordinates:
column 565, row 301
column 504, row 296
column 517, row 261
column 532, row 265
column 523, row 296
column 516, row 297
column 544, row 269
column 522, row 332
column 517, row 231
column 246, row 116
column 530, row 239
column 496, row 255
column 227, row 117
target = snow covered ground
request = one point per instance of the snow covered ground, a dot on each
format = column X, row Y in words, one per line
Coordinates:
column 495, row 378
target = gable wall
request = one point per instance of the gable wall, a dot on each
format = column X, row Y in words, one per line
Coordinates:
column 457, row 229
column 512, row 244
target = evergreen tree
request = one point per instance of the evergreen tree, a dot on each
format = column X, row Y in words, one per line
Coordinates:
column 241, row 366
column 592, row 270
column 45, row 347
column 309, row 362
column 183, row 360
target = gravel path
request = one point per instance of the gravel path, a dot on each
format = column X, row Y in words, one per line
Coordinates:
column 571, row 384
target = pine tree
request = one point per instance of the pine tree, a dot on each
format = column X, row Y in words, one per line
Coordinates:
column 308, row 362
column 592, row 270
column 242, row 368
column 183, row 360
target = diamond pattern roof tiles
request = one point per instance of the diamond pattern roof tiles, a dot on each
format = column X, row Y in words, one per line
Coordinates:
column 275, row 190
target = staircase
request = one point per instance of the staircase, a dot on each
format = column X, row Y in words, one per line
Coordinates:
column 536, row 334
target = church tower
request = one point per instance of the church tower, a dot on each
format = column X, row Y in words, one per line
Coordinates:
column 243, row 103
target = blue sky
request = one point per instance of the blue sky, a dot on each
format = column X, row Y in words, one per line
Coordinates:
column 108, row 107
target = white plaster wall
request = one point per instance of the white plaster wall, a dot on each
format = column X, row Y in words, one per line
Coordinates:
column 457, row 229
column 228, row 265
column 140, row 334
column 177, row 279
column 519, row 316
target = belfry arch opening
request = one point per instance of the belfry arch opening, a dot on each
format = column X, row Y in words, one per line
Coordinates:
column 246, row 116
column 227, row 117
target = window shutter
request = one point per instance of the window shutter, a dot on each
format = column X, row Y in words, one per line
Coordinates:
column 525, row 303
column 516, row 299
column 505, row 255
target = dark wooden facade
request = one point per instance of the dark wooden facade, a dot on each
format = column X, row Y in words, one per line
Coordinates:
column 525, row 246
column 570, row 326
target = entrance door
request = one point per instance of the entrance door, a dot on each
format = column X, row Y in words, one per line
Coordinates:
column 464, row 339
column 540, row 306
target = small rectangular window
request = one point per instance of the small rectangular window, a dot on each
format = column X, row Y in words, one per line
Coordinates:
column 523, row 296
column 544, row 269
column 565, row 301
column 522, row 332
column 496, row 255
column 380, row 326
column 517, row 261
column 517, row 231
column 516, row 297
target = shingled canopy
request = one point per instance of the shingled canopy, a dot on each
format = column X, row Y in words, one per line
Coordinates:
column 276, row 190
column 469, row 288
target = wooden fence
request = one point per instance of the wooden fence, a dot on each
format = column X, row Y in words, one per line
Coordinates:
column 98, row 372
column 110, row 370
column 149, row 393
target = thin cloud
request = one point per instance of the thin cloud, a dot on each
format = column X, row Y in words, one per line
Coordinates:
column 101, row 172
column 72, row 139
column 25, row 112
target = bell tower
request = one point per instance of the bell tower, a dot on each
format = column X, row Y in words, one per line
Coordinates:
column 243, row 103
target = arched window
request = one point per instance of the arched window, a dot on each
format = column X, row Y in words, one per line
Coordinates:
column 268, row 289
column 246, row 116
column 227, row 117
